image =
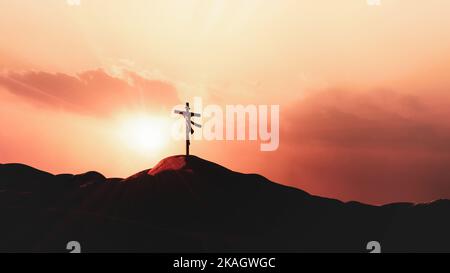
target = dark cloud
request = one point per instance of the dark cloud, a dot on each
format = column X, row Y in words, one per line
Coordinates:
column 93, row 92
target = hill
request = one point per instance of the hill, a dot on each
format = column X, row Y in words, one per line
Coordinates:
column 187, row 204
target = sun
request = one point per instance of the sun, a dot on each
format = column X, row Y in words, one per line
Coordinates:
column 143, row 133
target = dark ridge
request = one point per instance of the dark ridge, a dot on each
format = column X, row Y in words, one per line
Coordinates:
column 191, row 204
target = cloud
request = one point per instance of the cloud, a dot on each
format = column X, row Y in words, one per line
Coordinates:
column 379, row 119
column 93, row 92
column 379, row 146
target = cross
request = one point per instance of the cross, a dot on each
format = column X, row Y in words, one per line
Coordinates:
column 187, row 115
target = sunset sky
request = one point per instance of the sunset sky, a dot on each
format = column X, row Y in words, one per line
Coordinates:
column 364, row 91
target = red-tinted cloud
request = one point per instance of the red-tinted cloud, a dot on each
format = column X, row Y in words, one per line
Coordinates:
column 380, row 146
column 92, row 92
column 380, row 119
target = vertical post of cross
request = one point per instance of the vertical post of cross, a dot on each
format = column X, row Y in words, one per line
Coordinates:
column 187, row 147
column 188, row 127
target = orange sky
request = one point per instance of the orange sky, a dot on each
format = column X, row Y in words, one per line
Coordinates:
column 364, row 90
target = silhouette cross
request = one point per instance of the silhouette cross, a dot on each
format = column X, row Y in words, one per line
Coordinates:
column 187, row 115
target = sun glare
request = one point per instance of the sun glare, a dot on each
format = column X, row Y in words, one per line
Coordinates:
column 143, row 133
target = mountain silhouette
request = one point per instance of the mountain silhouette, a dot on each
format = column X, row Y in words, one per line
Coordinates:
column 188, row 204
